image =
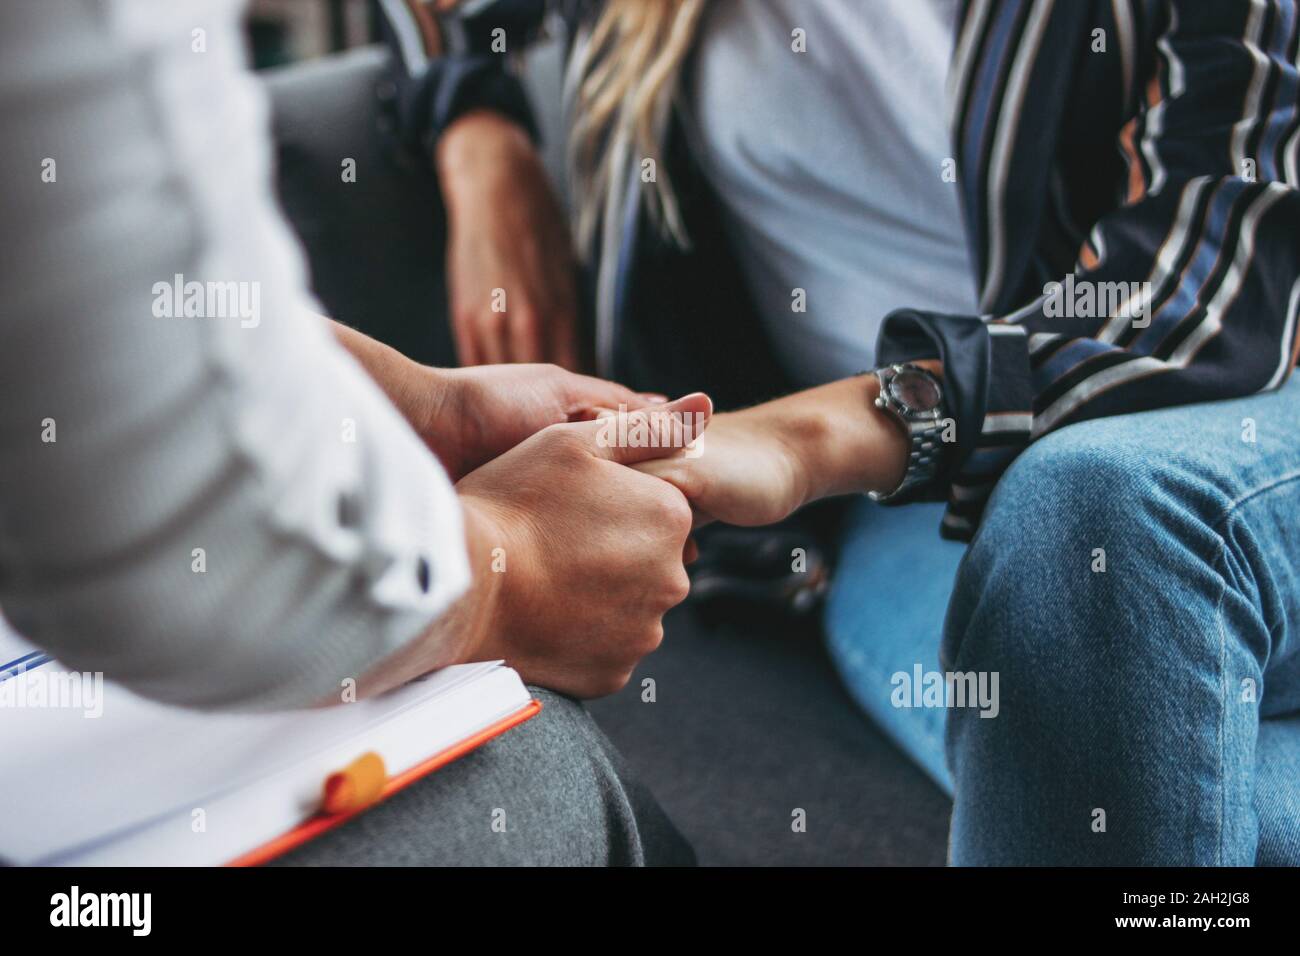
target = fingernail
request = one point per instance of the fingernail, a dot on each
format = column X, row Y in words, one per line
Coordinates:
column 653, row 397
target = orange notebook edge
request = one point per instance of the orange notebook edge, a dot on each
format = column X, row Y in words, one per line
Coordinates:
column 314, row 826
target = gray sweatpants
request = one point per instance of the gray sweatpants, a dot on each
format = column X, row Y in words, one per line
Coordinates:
column 551, row 792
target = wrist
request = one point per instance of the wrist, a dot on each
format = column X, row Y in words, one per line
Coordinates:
column 435, row 409
column 859, row 448
column 463, row 632
column 478, row 610
column 426, row 398
column 417, row 391
column 910, row 396
column 842, row 442
column 477, row 150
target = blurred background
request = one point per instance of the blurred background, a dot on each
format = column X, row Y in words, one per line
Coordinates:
column 285, row 31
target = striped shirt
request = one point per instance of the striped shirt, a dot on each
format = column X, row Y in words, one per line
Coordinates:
column 1158, row 141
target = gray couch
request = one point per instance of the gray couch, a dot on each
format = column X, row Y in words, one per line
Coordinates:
column 749, row 722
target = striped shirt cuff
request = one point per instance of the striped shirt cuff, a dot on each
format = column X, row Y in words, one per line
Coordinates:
column 989, row 392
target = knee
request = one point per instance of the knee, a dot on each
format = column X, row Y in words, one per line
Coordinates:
column 1096, row 499
column 1088, row 538
column 1099, row 485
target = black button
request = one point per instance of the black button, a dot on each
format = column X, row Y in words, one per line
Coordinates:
column 423, row 573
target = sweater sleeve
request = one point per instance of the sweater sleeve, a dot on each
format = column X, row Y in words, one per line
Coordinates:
column 201, row 494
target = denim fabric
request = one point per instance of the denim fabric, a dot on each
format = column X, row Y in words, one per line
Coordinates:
column 1147, row 713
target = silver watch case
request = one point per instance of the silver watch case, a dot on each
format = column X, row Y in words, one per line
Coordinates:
column 923, row 425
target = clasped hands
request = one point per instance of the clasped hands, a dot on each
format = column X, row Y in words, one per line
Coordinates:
column 590, row 533
column 578, row 543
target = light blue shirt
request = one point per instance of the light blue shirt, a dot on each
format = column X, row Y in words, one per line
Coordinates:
column 830, row 167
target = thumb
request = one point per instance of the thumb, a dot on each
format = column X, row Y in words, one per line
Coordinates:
column 627, row 437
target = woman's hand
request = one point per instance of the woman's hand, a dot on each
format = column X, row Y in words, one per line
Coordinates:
column 757, row 466
column 511, row 271
column 742, row 472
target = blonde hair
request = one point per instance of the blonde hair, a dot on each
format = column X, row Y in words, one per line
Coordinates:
column 627, row 80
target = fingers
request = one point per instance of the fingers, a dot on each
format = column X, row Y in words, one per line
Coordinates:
column 524, row 336
column 650, row 433
column 684, row 475
column 493, row 337
column 561, row 333
column 589, row 396
column 498, row 338
column 677, row 471
column 482, row 335
column 564, row 347
column 463, row 332
column 481, row 338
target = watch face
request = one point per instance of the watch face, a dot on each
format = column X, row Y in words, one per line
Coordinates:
column 915, row 389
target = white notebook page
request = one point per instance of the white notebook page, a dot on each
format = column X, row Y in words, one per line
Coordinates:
column 71, row 783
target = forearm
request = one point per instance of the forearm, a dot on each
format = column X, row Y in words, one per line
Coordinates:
column 475, row 151
column 419, row 392
column 845, row 445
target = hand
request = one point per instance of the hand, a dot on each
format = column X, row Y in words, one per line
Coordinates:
column 506, row 231
column 757, row 466
column 592, row 554
column 482, row 412
column 743, row 472
column 469, row 416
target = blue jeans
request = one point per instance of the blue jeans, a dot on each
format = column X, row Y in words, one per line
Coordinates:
column 1135, row 588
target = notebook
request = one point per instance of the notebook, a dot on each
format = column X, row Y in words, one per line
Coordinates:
column 92, row 774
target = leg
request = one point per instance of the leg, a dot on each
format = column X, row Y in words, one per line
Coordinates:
column 556, row 783
column 1277, row 791
column 884, row 616
column 1136, row 584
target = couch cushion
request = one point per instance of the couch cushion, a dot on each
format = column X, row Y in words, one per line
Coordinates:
column 749, row 723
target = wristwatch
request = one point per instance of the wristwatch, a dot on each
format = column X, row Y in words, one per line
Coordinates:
column 913, row 398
